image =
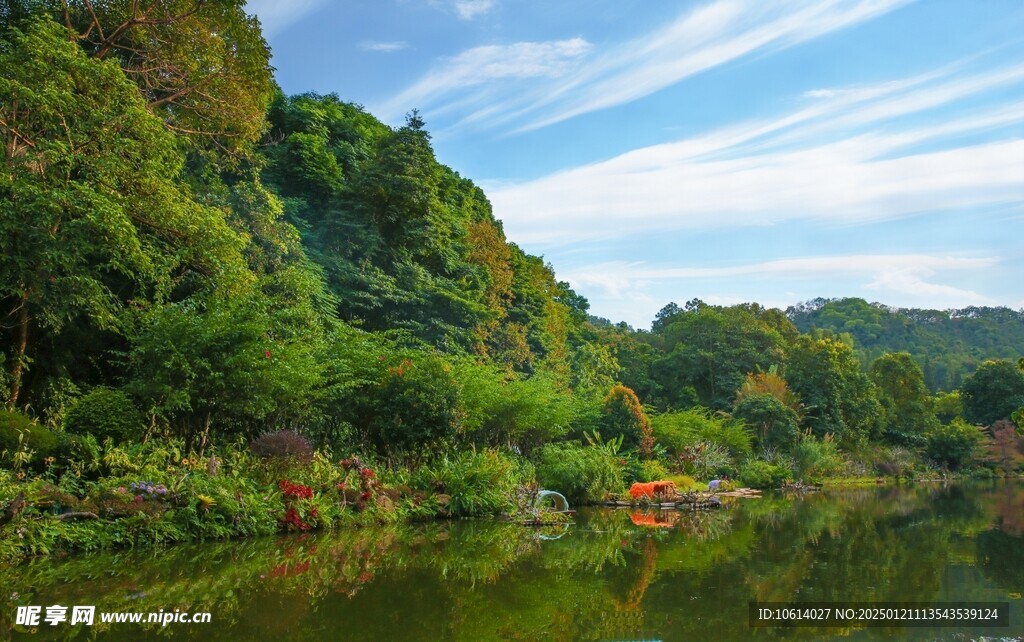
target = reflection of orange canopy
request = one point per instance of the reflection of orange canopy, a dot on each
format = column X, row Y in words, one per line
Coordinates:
column 657, row 519
column 639, row 589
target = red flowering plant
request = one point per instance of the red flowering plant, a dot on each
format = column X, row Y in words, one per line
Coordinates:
column 301, row 512
column 359, row 486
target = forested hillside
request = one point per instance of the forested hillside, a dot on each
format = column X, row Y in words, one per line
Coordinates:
column 295, row 248
column 947, row 344
column 406, row 243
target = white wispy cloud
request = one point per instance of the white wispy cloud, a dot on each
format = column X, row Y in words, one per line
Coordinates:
column 891, row 272
column 708, row 37
column 700, row 39
column 624, row 289
column 276, row 15
column 465, row 9
column 849, row 156
column 383, row 46
column 480, row 66
column 469, row 9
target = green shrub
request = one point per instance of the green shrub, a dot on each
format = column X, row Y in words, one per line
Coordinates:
column 499, row 408
column 477, row 483
column 983, row 472
column 705, row 460
column 685, row 483
column 761, row 474
column 651, row 470
column 19, row 434
column 223, row 506
column 895, row 461
column 775, row 424
column 815, row 459
column 416, row 412
column 678, row 430
column 582, row 473
column 105, row 413
column 954, row 445
column 80, row 448
column 727, row 485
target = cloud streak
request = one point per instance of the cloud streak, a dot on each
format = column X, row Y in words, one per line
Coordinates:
column 617, row 276
column 469, row 9
column 480, row 66
column 711, row 35
column 383, row 47
column 275, row 16
column 846, row 157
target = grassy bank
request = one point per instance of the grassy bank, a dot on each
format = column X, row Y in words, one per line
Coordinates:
column 113, row 496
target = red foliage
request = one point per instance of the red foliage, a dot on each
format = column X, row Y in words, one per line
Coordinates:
column 294, row 493
column 291, row 518
column 402, row 368
column 366, row 483
column 292, row 490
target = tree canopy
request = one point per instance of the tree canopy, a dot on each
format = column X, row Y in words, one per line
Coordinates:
column 93, row 215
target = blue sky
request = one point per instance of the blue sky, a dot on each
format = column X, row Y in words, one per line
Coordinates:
column 727, row 150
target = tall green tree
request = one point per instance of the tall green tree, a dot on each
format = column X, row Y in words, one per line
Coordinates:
column 948, row 406
column 624, row 416
column 906, row 406
column 839, row 398
column 92, row 215
column 711, row 349
column 775, row 424
column 995, row 391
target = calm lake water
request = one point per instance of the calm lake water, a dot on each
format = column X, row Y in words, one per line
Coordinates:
column 613, row 575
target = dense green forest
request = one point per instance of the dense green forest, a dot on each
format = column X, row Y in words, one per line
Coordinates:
column 947, row 344
column 195, row 265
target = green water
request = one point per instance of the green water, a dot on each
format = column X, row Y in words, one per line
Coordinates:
column 603, row 578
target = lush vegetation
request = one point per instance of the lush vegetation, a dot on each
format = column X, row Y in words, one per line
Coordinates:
column 217, row 298
column 948, row 344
